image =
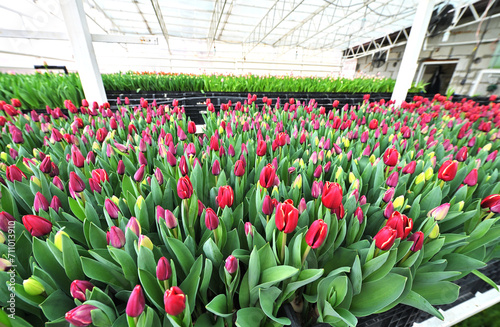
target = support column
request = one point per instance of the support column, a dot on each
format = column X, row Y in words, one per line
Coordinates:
column 409, row 63
column 83, row 50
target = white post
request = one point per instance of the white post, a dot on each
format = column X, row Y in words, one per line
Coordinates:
column 408, row 65
column 83, row 50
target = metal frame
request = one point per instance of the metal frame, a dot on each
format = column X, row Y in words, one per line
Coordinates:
column 163, row 27
column 274, row 17
column 215, row 21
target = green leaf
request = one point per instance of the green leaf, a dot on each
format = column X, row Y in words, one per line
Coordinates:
column 273, row 275
column 71, row 259
column 190, row 285
column 182, row 254
column 431, row 200
column 126, row 262
column 267, row 299
column 305, row 277
column 377, row 295
column 438, row 293
column 56, row 305
column 249, row 317
column 417, row 301
column 218, row 306
column 462, row 262
column 102, row 272
column 151, row 288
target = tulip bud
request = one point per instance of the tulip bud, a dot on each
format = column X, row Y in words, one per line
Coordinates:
column 359, row 214
column 163, row 269
column 286, row 217
column 389, row 209
column 231, row 264
column 75, row 182
column 471, row 178
column 174, row 300
column 448, row 170
column 385, row 238
column 440, row 212
column 302, row 206
column 33, row 287
column 225, row 196
column 388, row 195
column 115, row 237
column 267, row 206
column 418, row 241
column 184, row 188
column 392, row 180
column 81, row 315
column 211, row 219
column 316, row 234
column 5, row 264
column 145, row 241
column 136, row 302
column 78, row 289
column 248, row 229
column 111, row 208
column 134, row 226
column 331, row 195
column 139, row 174
column 421, row 178
column 435, row 232
column 120, row 168
column 36, row 225
column 399, row 201
column 216, row 168
column 58, row 239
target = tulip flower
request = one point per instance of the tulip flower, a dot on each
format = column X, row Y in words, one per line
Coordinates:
column 225, row 196
column 302, row 206
column 401, row 223
column 230, row 150
column 231, row 264
column 172, row 161
column 385, row 238
column 359, row 214
column 448, row 170
column 471, row 178
column 248, row 229
column 462, row 154
column 239, row 168
column 373, row 124
column 76, row 183
column 5, row 265
column 144, row 241
column 139, row 174
column 40, row 202
column 409, row 168
column 174, row 300
column 216, row 168
column 286, row 217
column 163, row 269
column 316, row 189
column 332, row 195
column 6, row 219
column 159, row 176
column 491, row 202
column 100, row 175
column 120, row 170
column 115, row 237
column 191, row 127
column 184, row 188
column 211, row 219
column 388, row 195
column 77, row 157
column 36, row 225
column 261, row 148
column 267, row 176
column 318, row 171
column 183, row 167
column 339, row 211
column 13, row 173
column 33, row 287
column 267, row 206
column 136, row 302
column 46, row 165
column 78, row 289
column 316, row 234
column 111, row 208
column 391, row 157
column 80, row 316
column 418, row 241
column 134, row 226
column 214, row 143
column 392, row 180
column 170, row 219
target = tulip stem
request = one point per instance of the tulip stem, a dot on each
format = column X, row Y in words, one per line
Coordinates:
column 489, row 215
column 377, row 250
column 306, row 253
column 165, row 283
column 283, row 246
column 216, row 239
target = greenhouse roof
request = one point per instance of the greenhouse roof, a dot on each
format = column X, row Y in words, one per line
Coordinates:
column 308, row 24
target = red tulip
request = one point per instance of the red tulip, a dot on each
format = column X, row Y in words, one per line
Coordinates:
column 267, row 176
column 339, row 211
column 40, row 202
column 318, row 171
column 214, row 143
column 281, row 139
column 418, row 241
column 462, row 154
column 115, row 237
column 163, row 269
column 385, row 238
column 216, row 168
column 248, row 229
column 77, row 157
column 95, row 186
column 139, row 174
column 448, row 170
column 401, row 223
column 75, row 182
column 388, row 195
column 373, row 124
column 392, row 180
column 78, row 289
column 134, row 226
column 225, row 196
column 332, row 195
column 239, row 168
column 286, row 217
column 267, row 205
column 174, row 300
column 15, row 102
column 359, row 214
column 136, row 302
column 231, row 264
column 111, row 208
column 36, row 225
column 211, row 219
column 409, row 168
column 184, row 187
column 80, row 316
column 13, row 173
column 100, row 175
column 191, row 127
column 183, row 167
column 391, row 157
column 471, row 178
column 46, row 165
column 492, row 202
column 261, row 148
column 316, row 234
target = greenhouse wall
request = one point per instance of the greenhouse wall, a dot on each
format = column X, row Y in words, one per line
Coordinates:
column 457, row 49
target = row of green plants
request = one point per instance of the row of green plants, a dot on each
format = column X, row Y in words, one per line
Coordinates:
column 275, row 211
column 38, row 90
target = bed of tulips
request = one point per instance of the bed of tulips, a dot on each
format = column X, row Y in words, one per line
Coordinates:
column 137, row 218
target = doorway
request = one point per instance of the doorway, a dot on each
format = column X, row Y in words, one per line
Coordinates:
column 437, row 75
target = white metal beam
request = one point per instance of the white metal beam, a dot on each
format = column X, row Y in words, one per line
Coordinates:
column 215, row 22
column 409, row 64
column 83, row 50
column 161, row 21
